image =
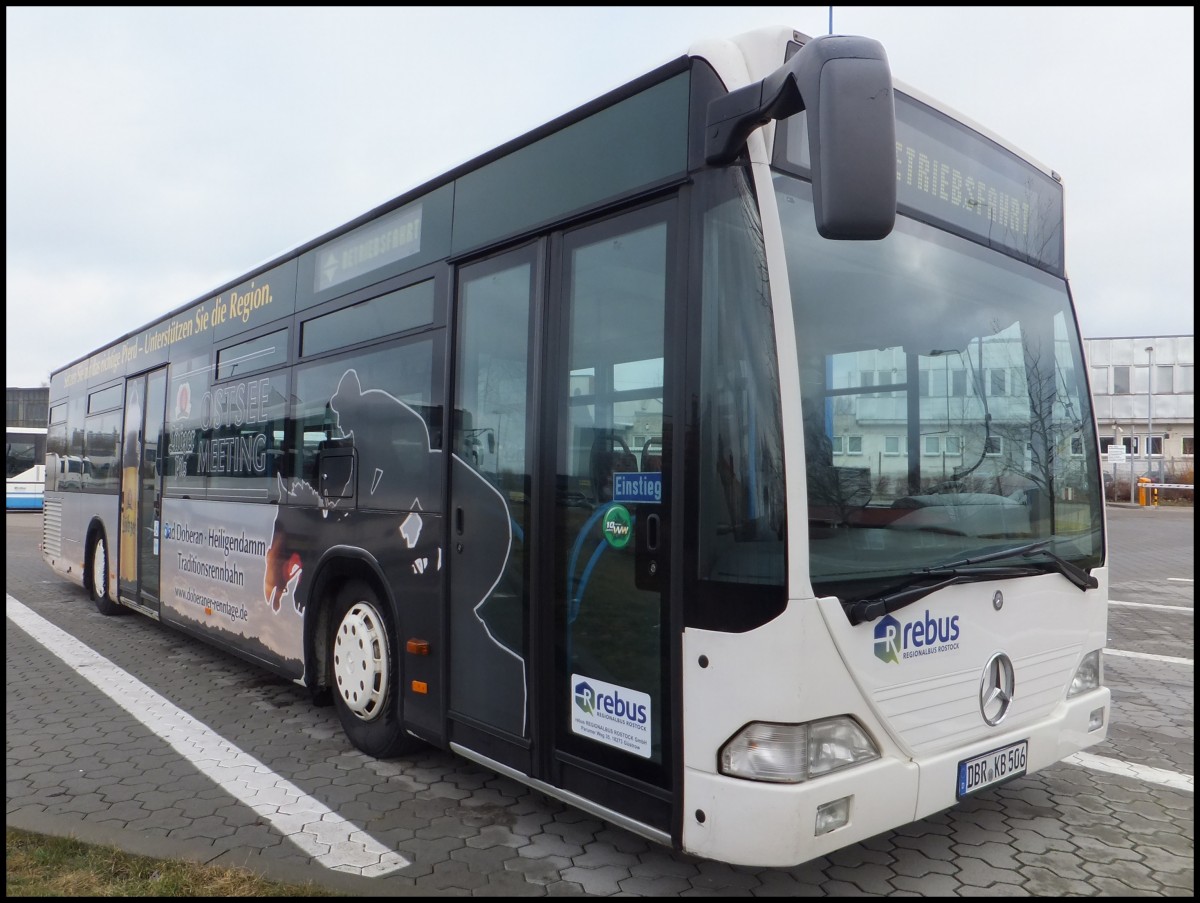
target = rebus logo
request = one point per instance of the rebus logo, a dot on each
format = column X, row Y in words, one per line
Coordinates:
column 593, row 703
column 585, row 698
column 924, row 635
column 887, row 640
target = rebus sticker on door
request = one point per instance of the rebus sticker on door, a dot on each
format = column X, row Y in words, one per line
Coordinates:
column 616, row 716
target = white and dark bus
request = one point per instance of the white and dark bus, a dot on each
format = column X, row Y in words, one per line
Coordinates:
column 718, row 458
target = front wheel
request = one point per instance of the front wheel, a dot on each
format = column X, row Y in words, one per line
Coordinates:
column 97, row 579
column 365, row 673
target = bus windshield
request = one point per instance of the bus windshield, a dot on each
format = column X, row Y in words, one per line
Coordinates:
column 945, row 405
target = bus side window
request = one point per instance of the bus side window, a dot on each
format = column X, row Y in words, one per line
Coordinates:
column 316, row 432
column 610, row 454
column 652, row 456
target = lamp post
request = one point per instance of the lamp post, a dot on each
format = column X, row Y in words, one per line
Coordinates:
column 1126, row 457
column 1149, row 402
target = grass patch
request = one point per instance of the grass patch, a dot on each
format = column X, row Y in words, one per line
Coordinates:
column 42, row 866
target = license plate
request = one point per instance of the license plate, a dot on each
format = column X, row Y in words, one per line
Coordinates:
column 992, row 768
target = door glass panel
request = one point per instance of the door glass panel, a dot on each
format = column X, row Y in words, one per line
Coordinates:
column 151, row 474
column 610, row 506
column 131, row 456
column 491, row 493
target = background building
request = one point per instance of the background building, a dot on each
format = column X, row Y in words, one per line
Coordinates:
column 26, row 407
column 1143, row 389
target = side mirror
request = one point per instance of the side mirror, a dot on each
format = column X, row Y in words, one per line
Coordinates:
column 845, row 85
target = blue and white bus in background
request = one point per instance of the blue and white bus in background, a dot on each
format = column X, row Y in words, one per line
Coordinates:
column 24, row 467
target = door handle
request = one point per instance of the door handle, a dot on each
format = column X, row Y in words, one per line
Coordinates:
column 653, row 528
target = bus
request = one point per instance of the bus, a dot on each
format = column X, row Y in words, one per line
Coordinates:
column 24, row 470
column 717, row 458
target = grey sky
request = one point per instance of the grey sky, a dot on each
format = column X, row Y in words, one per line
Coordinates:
column 153, row 154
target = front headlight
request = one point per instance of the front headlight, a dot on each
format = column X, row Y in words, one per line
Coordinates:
column 791, row 753
column 1087, row 675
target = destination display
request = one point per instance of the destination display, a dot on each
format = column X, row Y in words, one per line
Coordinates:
column 951, row 175
column 386, row 240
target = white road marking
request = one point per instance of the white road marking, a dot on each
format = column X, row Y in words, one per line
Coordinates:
column 1179, row 609
column 319, row 831
column 1138, row 772
column 1165, row 659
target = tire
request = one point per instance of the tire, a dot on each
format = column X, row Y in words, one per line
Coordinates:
column 365, row 673
column 97, row 578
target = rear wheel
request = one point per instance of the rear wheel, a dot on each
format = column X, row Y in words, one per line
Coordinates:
column 98, row 578
column 365, row 672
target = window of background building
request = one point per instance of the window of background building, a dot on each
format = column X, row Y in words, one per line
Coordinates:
column 1164, row 379
column 959, row 385
column 1120, row 377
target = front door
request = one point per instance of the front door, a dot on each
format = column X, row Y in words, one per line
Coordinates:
column 141, row 489
column 610, row 384
column 560, row 521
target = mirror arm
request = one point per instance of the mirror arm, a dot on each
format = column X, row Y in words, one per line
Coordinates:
column 733, row 117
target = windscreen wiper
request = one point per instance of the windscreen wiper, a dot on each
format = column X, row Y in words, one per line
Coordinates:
column 918, row 586
column 1071, row 571
column 921, row 583
column 995, row 556
column 1068, row 569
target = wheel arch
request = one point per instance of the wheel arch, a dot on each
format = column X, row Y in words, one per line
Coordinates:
column 337, row 566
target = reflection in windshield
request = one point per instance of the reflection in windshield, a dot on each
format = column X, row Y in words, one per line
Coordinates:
column 944, row 403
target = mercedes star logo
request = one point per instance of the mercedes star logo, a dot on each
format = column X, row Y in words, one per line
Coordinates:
column 996, row 688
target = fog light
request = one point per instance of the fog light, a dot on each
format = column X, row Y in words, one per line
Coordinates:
column 1096, row 719
column 832, row 816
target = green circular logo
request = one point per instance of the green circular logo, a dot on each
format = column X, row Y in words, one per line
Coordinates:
column 618, row 527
